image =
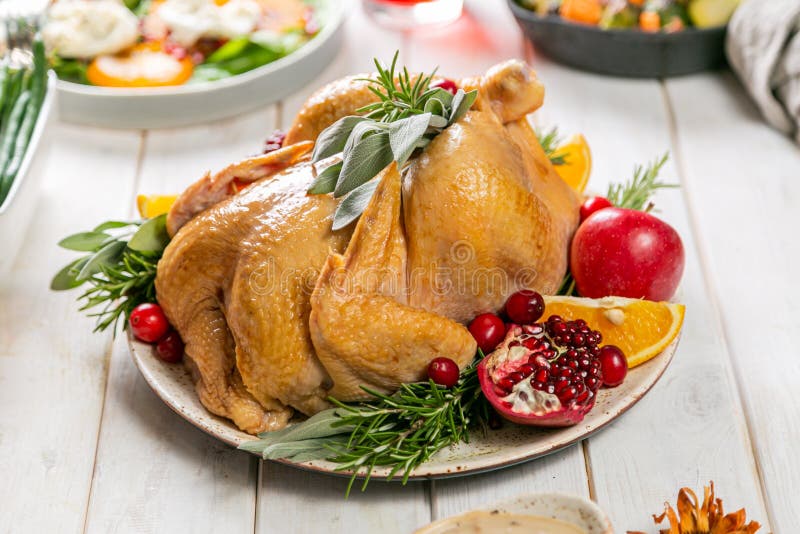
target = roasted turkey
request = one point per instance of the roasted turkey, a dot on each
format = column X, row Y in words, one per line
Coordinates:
column 279, row 312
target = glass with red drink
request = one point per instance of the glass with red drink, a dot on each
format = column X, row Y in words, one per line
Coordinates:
column 405, row 14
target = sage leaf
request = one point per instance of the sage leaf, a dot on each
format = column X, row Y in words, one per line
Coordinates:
column 325, row 182
column 353, row 205
column 435, row 106
column 106, row 256
column 67, row 278
column 320, row 425
column 438, row 122
column 85, row 241
column 405, row 133
column 360, row 132
column 333, row 138
column 108, row 225
column 299, row 451
column 363, row 162
column 461, row 104
column 151, row 236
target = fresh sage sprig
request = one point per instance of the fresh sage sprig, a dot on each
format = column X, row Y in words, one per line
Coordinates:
column 120, row 267
column 400, row 431
column 407, row 116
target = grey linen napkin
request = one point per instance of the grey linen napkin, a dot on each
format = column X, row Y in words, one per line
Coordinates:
column 763, row 47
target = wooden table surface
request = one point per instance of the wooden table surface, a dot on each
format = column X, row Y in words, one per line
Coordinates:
column 85, row 446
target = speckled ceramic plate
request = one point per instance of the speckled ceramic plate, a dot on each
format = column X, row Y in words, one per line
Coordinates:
column 508, row 446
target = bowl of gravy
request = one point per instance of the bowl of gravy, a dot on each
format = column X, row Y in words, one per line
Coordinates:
column 544, row 513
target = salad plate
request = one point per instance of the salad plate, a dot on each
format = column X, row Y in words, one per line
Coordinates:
column 510, row 445
column 182, row 105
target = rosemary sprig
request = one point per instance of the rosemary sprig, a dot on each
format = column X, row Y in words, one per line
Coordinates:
column 120, row 267
column 401, row 431
column 408, row 115
column 636, row 193
column 550, row 141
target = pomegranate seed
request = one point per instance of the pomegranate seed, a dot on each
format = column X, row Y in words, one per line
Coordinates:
column 561, row 384
column 567, row 394
column 443, row 371
column 274, row 142
column 506, row 383
column 542, row 375
column 578, row 340
column 572, row 364
column 566, row 372
column 592, row 382
column 527, row 369
column 613, row 364
column 583, row 397
column 516, row 377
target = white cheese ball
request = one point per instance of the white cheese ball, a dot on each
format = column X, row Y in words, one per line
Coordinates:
column 86, row 29
column 190, row 20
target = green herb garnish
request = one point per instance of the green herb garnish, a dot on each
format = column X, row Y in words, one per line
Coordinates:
column 635, row 194
column 550, row 141
column 120, row 267
column 408, row 115
column 401, row 431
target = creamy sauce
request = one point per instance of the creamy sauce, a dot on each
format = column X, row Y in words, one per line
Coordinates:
column 483, row 522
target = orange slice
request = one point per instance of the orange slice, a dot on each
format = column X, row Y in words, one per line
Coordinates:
column 641, row 328
column 144, row 65
column 150, row 206
column 577, row 164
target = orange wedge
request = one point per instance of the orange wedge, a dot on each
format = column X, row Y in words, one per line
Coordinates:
column 577, row 164
column 641, row 328
column 150, row 206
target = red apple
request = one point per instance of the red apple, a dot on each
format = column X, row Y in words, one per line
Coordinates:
column 626, row 253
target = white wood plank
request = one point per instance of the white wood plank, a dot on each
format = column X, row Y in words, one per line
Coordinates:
column 741, row 183
column 155, row 472
column 52, row 367
column 484, row 36
column 689, row 429
column 291, row 500
column 300, row 502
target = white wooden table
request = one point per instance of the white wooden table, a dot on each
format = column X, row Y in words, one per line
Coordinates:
column 85, row 446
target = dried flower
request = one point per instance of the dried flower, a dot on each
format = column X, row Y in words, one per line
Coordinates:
column 708, row 517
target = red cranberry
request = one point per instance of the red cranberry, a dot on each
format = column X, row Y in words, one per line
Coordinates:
column 446, row 84
column 488, row 330
column 525, row 307
column 593, row 204
column 170, row 347
column 148, row 322
column 443, row 371
column 613, row 364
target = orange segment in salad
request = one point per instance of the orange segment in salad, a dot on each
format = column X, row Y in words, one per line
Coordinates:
column 650, row 21
column 144, row 65
column 584, row 11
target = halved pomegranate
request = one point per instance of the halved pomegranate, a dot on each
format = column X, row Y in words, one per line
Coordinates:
column 544, row 374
